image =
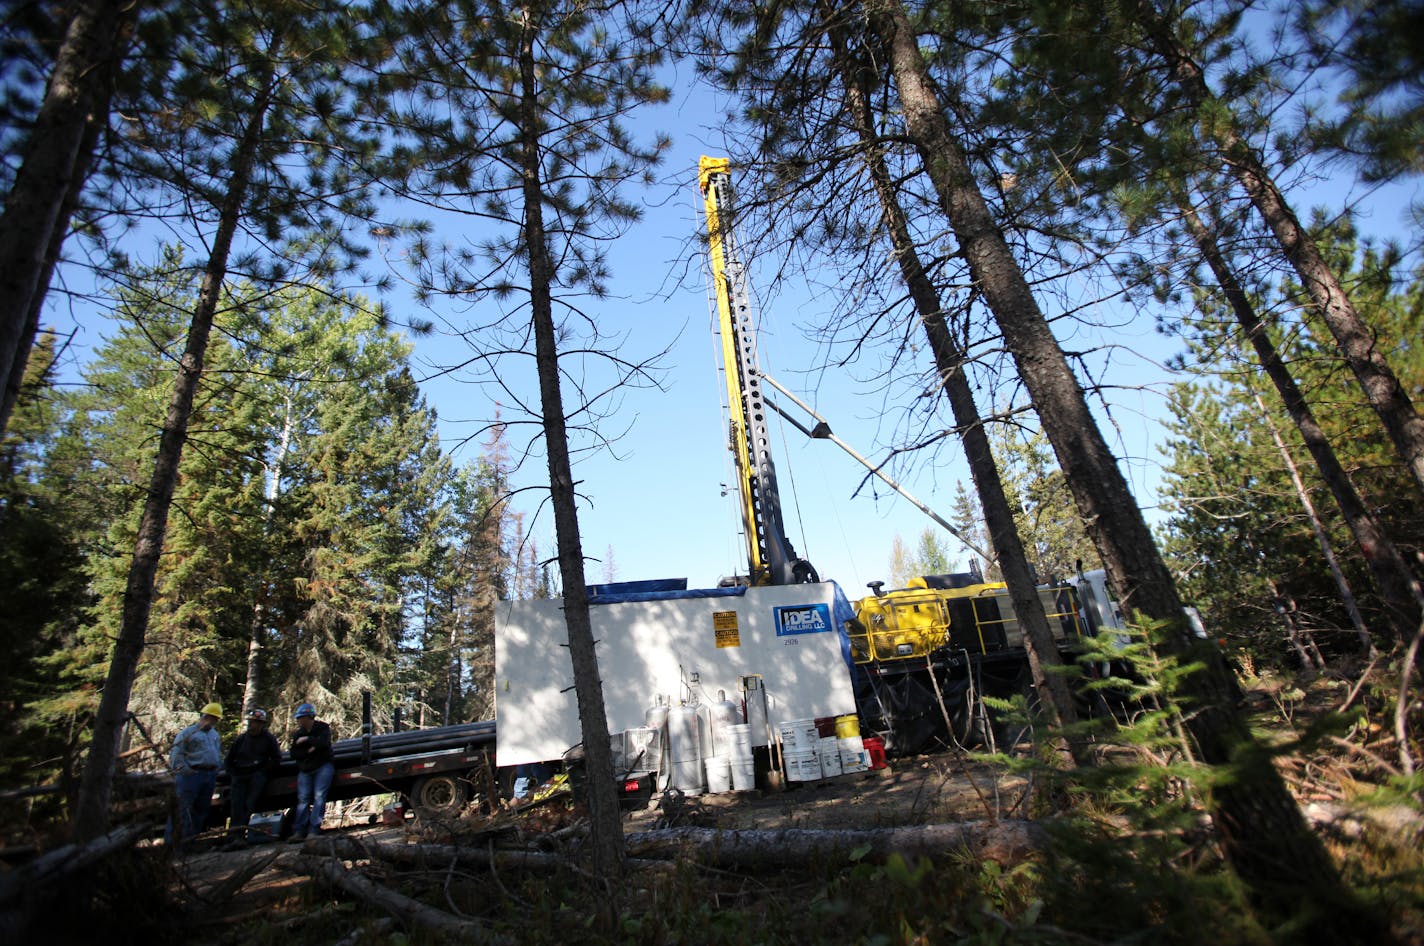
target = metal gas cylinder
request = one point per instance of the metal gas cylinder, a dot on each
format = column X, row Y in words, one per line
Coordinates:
column 684, row 751
column 714, row 718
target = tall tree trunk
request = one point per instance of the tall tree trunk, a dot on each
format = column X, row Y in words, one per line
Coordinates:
column 607, row 822
column 1397, row 586
column 1327, row 551
column 1258, row 823
column 91, row 816
column 258, row 627
column 1057, row 696
column 51, row 174
column 11, row 393
column 1355, row 339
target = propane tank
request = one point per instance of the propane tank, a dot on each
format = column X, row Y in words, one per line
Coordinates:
column 656, row 717
column 757, row 717
column 684, row 750
column 714, row 719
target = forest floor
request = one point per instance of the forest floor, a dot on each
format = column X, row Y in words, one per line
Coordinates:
column 267, row 893
column 930, row 789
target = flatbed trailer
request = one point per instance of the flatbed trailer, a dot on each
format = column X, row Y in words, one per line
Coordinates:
column 439, row 770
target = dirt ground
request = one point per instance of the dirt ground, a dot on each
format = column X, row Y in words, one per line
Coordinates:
column 917, row 790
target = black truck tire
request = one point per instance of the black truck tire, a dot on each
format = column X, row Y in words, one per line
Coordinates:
column 441, row 795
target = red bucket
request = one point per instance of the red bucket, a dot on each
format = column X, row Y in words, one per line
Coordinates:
column 875, row 748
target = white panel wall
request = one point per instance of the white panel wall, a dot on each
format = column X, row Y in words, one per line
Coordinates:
column 652, row 648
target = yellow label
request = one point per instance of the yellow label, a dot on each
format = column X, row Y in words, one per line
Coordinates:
column 728, row 637
column 724, row 620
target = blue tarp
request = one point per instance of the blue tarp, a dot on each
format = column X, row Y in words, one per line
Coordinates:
column 843, row 613
column 638, row 587
column 656, row 589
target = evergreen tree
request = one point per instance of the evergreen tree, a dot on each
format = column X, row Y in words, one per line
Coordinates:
column 1258, row 822
column 1237, row 527
column 364, row 513
column 44, row 590
column 810, row 101
column 57, row 156
column 1221, row 135
column 522, row 126
column 1043, row 505
column 261, row 83
column 1376, row 43
column 457, row 652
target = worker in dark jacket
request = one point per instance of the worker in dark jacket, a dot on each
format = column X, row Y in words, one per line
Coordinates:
column 311, row 750
column 251, row 759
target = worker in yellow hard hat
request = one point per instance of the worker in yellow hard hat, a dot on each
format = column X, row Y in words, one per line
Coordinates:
column 196, row 756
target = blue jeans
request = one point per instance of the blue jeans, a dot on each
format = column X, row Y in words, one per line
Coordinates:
column 311, row 799
column 195, row 798
column 244, row 794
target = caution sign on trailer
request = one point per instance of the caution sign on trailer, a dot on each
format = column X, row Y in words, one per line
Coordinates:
column 724, row 625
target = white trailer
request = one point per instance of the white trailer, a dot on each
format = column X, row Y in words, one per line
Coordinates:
column 683, row 646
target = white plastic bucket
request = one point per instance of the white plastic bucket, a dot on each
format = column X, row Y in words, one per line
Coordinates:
column 719, row 774
column 853, row 756
column 830, row 757
column 798, row 735
column 743, row 775
column 801, row 766
column 739, row 742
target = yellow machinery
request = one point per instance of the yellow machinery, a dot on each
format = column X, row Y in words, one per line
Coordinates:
column 958, row 613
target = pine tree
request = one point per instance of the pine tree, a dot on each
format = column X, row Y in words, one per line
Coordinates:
column 1221, row 134
column 1266, row 838
column 808, row 102
column 44, row 589
column 529, row 136
column 57, row 156
column 260, row 83
column 1376, row 45
column 1058, row 545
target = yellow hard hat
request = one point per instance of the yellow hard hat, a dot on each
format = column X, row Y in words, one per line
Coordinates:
column 212, row 709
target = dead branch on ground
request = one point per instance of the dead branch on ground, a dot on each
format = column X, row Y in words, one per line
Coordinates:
column 24, row 882
column 407, row 910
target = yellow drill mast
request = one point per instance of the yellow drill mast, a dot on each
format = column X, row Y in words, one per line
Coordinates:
column 771, row 559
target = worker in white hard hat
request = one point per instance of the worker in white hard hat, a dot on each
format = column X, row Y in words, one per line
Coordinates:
column 196, row 756
column 253, row 757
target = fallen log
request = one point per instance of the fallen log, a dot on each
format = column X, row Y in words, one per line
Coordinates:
column 1007, row 842
column 406, row 910
column 433, row 856
column 26, row 880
